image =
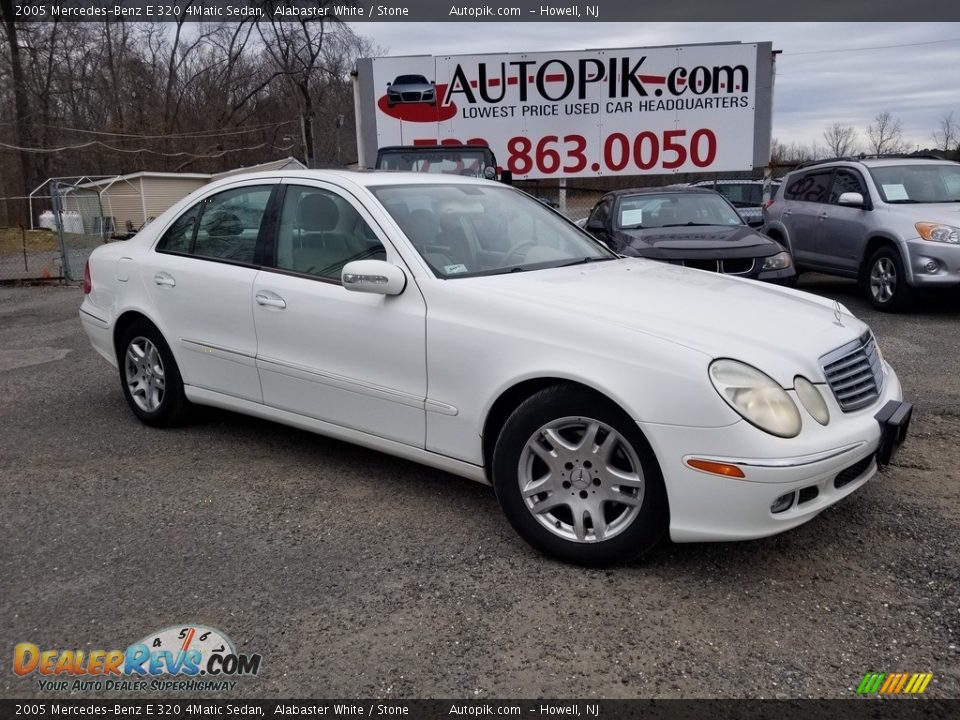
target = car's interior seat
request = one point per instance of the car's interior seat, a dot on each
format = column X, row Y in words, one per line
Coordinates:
column 318, row 247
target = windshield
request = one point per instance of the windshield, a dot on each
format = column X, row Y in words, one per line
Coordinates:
column 673, row 210
column 467, row 230
column 918, row 183
column 410, row 80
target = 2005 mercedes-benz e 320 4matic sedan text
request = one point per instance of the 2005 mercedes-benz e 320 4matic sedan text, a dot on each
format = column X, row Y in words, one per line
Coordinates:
column 464, row 325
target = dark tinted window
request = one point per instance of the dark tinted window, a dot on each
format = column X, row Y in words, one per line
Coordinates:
column 179, row 237
column 320, row 232
column 600, row 212
column 224, row 226
column 846, row 181
column 810, row 187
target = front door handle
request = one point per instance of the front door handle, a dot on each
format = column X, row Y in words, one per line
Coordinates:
column 164, row 280
column 269, row 299
column 822, row 216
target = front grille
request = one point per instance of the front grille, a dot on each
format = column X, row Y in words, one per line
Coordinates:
column 711, row 265
column 848, row 475
column 854, row 373
column 411, row 96
column 738, row 266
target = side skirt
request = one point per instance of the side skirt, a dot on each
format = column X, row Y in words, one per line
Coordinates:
column 391, row 447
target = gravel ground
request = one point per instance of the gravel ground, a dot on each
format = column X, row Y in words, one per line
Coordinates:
column 355, row 574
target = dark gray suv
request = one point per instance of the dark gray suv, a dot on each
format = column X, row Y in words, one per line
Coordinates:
column 893, row 223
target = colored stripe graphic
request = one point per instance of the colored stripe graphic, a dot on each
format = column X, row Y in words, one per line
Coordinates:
column 894, row 683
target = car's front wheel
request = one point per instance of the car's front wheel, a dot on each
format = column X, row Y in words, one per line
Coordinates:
column 150, row 377
column 577, row 480
column 886, row 281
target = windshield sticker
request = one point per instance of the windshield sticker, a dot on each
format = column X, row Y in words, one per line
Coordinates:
column 453, row 269
column 631, row 217
column 895, row 192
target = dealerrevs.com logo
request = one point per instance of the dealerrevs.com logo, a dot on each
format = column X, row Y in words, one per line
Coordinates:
column 187, row 657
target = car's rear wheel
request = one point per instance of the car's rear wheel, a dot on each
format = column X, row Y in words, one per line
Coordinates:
column 577, row 479
column 150, row 377
column 886, row 282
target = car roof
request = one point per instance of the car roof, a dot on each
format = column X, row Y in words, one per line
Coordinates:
column 666, row 189
column 876, row 162
column 362, row 178
column 732, row 181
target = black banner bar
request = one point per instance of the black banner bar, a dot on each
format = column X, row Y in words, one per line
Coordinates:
column 478, row 11
column 854, row 709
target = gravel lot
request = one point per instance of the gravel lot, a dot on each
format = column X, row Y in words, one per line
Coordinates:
column 355, row 574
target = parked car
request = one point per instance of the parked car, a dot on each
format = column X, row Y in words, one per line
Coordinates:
column 607, row 400
column 893, row 223
column 687, row 226
column 411, row 89
column 744, row 194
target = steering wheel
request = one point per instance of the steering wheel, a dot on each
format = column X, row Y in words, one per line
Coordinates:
column 515, row 249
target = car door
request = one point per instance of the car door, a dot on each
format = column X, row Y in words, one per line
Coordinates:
column 843, row 229
column 805, row 198
column 354, row 359
column 200, row 276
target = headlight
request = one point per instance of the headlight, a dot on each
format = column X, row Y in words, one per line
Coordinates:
column 938, row 233
column 756, row 397
column 811, row 399
column 777, row 262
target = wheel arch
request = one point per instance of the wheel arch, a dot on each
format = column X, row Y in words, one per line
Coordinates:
column 515, row 395
column 124, row 321
column 874, row 243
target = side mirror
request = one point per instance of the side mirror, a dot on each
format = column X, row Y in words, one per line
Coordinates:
column 851, row 199
column 490, row 173
column 389, row 84
column 594, row 226
column 373, row 276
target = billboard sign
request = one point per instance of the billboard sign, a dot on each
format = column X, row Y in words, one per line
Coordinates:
column 696, row 108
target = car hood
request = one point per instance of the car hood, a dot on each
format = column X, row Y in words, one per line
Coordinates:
column 947, row 213
column 781, row 331
column 715, row 238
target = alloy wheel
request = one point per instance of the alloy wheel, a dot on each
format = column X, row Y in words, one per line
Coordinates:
column 143, row 369
column 581, row 479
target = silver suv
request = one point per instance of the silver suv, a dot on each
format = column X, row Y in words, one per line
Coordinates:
column 892, row 223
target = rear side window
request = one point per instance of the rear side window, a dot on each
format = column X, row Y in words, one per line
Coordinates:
column 224, row 226
column 810, row 187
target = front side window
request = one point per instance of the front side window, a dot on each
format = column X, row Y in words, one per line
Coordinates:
column 224, row 226
column 320, row 232
column 464, row 230
column 846, row 181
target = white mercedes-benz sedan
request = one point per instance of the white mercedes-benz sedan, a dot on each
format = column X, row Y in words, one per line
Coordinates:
column 462, row 324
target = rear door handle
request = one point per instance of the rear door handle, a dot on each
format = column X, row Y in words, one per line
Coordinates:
column 787, row 212
column 269, row 299
column 823, row 215
column 164, row 279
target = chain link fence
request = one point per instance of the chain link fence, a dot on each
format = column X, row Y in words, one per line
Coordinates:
column 50, row 234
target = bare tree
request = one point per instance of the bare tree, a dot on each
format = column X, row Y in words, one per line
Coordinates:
column 947, row 135
column 841, row 140
column 885, row 134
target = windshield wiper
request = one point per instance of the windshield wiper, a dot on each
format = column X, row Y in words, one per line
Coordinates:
column 581, row 261
column 632, row 227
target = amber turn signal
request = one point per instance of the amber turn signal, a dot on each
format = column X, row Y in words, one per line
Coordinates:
column 717, row 468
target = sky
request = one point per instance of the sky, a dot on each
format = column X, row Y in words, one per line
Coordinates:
column 827, row 72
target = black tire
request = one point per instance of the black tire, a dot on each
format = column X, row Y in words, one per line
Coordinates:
column 172, row 407
column 885, row 281
column 632, row 529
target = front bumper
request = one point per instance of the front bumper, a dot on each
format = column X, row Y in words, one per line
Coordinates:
column 934, row 264
column 820, row 467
